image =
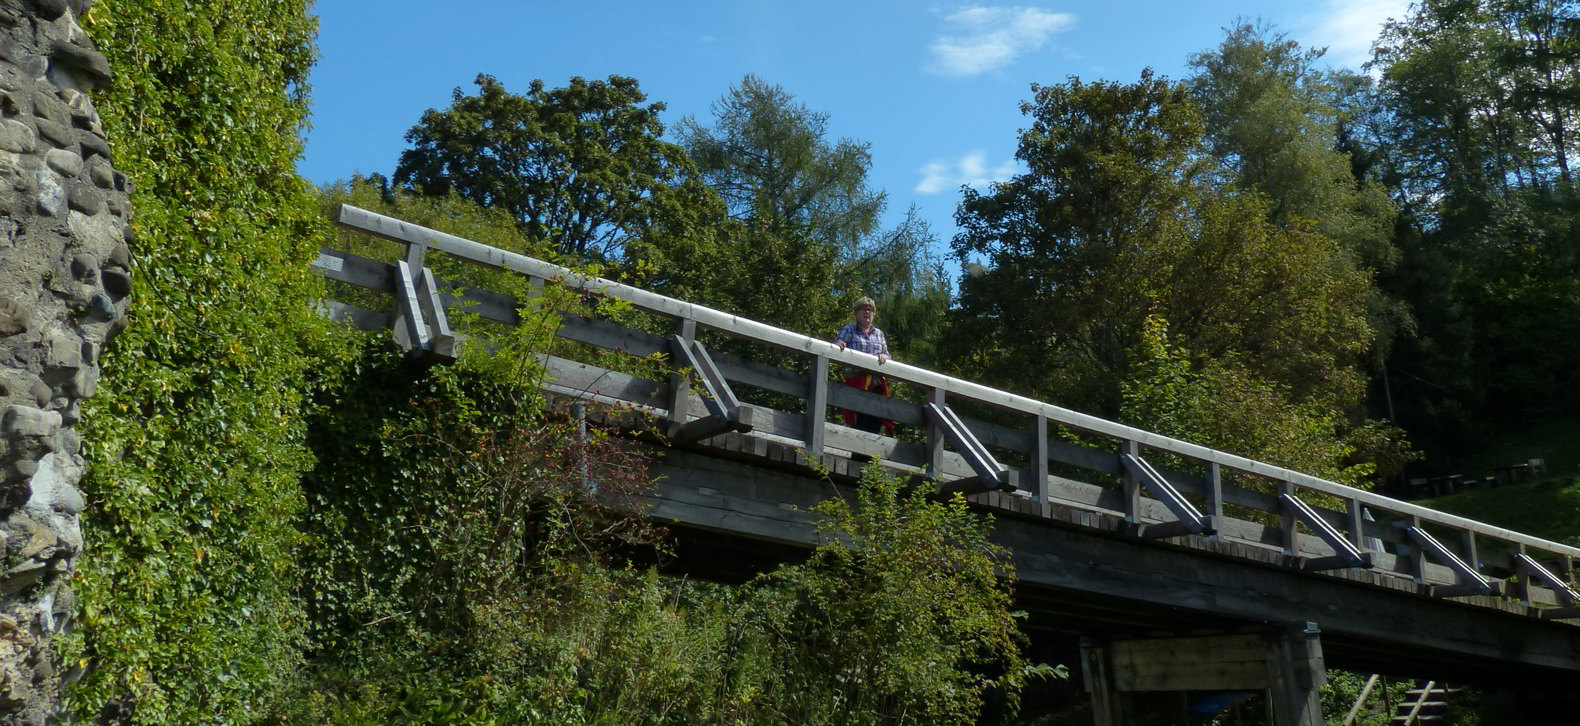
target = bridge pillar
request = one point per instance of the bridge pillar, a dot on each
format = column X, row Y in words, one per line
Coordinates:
column 1285, row 664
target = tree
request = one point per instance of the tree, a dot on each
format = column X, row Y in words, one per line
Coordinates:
column 1481, row 103
column 1108, row 181
column 1116, row 219
column 582, row 167
column 806, row 242
column 900, row 272
column 1271, row 118
column 768, row 157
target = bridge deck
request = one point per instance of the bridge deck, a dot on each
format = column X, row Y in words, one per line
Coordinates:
column 1101, row 517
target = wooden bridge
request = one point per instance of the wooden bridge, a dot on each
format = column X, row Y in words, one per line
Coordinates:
column 1179, row 566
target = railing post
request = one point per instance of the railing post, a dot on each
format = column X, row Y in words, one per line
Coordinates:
column 1287, row 522
column 816, row 407
column 1467, row 546
column 1417, row 553
column 1039, row 465
column 679, row 383
column 1357, row 518
column 1522, row 587
column 1215, row 496
column 417, row 255
column 1132, row 488
column 935, row 438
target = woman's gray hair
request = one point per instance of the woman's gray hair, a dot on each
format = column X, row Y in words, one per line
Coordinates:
column 865, row 302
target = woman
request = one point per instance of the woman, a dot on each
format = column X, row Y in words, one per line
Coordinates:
column 864, row 337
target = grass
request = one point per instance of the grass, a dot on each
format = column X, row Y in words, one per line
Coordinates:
column 1549, row 509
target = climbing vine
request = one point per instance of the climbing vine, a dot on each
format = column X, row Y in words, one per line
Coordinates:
column 195, row 441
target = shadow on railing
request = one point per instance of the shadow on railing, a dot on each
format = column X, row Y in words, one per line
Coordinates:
column 1052, row 456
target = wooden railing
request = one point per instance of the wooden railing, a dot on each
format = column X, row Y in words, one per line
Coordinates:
column 1061, row 458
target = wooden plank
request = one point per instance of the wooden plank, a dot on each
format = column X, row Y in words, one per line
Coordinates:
column 760, row 375
column 582, row 379
column 1228, row 662
column 361, row 318
column 355, row 270
column 874, row 404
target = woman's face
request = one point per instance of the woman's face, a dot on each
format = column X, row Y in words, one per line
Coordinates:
column 864, row 316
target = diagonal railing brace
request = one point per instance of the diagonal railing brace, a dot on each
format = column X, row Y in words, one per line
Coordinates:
column 1347, row 554
column 990, row 475
column 1190, row 519
column 1529, row 567
column 725, row 412
column 423, row 326
column 1471, row 581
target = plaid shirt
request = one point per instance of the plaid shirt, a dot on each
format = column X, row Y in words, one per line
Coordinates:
column 871, row 342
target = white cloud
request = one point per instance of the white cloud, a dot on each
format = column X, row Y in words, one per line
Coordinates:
column 1348, row 28
column 979, row 39
column 970, row 169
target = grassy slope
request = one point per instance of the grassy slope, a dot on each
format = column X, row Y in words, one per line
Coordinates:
column 1549, row 509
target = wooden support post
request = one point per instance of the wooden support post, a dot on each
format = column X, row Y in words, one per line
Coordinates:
column 935, row 438
column 1467, row 549
column 1296, row 673
column 417, row 255
column 1097, row 669
column 679, row 384
column 1132, row 488
column 579, row 414
column 1039, row 465
column 1214, row 494
column 816, row 407
column 1417, row 552
column 1286, row 664
column 1522, row 584
column 1357, row 520
column 1287, row 521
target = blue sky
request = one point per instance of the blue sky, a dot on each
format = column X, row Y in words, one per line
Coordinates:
column 934, row 88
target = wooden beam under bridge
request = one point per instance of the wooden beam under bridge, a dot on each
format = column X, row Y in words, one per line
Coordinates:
column 1284, row 663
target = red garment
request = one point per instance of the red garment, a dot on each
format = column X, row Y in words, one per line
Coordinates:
column 868, row 382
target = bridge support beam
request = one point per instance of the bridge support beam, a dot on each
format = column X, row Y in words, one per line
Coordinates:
column 1286, row 665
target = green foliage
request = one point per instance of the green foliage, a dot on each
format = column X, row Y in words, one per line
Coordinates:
column 1343, row 688
column 582, row 167
column 766, row 155
column 1219, row 403
column 899, row 271
column 195, row 439
column 1271, row 118
column 1115, row 221
column 901, row 617
column 463, row 573
column 805, row 243
column 1069, row 246
column 1478, row 139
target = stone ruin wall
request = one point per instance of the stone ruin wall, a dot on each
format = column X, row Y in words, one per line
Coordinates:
column 64, row 281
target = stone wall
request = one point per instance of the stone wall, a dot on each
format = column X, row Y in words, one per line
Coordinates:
column 64, row 280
